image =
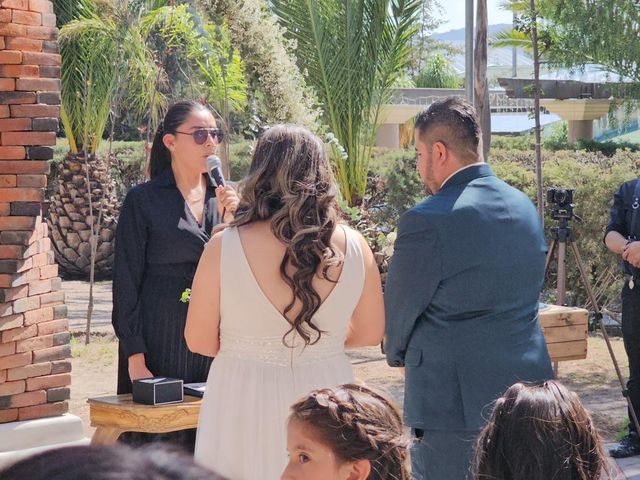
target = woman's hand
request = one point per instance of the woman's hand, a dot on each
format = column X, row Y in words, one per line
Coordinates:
column 138, row 367
column 227, row 202
column 631, row 253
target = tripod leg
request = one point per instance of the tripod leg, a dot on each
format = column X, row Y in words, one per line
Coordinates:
column 547, row 262
column 592, row 299
column 562, row 273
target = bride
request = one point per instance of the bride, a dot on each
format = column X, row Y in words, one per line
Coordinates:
column 277, row 297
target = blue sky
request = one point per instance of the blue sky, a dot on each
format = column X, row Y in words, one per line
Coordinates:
column 453, row 14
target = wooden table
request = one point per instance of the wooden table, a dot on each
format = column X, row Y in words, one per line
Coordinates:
column 115, row 414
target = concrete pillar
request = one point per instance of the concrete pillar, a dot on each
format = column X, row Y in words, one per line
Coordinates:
column 388, row 135
column 580, row 130
column 579, row 113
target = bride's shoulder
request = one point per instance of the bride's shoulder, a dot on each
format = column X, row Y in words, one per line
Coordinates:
column 351, row 234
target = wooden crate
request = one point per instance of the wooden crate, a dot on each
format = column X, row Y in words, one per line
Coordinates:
column 565, row 331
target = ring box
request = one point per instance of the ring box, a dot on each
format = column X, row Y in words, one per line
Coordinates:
column 158, row 390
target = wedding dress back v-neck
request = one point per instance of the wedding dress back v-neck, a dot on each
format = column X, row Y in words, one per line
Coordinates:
column 255, row 377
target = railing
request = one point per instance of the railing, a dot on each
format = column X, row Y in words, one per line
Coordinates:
column 498, row 99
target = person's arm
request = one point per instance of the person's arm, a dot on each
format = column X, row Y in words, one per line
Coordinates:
column 366, row 326
column 617, row 230
column 202, row 330
column 414, row 275
column 615, row 242
column 128, row 270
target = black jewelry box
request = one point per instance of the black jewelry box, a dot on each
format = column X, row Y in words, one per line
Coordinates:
column 157, row 391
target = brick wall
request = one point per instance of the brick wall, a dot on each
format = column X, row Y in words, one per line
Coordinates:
column 34, row 331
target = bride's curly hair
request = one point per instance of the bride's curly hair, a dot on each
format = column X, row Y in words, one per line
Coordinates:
column 291, row 185
column 357, row 423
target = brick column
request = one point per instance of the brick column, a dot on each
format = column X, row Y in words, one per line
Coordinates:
column 34, row 332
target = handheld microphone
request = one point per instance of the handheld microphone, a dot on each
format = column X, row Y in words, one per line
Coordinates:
column 214, row 168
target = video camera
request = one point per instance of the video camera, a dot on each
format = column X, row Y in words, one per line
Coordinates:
column 562, row 201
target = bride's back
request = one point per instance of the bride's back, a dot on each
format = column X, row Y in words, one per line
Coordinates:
column 264, row 253
column 254, row 295
column 287, row 228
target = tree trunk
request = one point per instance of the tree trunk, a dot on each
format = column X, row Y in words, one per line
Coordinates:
column 70, row 218
column 481, row 86
column 536, row 104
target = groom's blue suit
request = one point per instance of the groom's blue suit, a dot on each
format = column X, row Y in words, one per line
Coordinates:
column 461, row 304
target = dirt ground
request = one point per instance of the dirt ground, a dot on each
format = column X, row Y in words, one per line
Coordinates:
column 593, row 379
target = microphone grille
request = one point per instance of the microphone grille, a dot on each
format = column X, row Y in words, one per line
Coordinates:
column 213, row 161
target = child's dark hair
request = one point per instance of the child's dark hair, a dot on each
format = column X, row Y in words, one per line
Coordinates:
column 357, row 424
column 160, row 157
column 539, row 432
column 151, row 462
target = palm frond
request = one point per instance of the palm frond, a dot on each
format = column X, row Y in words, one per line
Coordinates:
column 144, row 92
column 88, row 70
column 352, row 52
column 516, row 6
column 67, row 10
column 512, row 38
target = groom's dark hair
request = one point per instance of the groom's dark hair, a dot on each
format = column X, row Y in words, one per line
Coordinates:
column 454, row 122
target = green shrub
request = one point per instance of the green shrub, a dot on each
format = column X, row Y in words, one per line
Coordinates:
column 516, row 175
column 516, row 142
column 557, row 136
column 396, row 182
column 607, row 148
column 556, row 139
column 438, row 72
column 239, row 159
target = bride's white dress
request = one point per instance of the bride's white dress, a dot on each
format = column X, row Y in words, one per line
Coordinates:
column 255, row 378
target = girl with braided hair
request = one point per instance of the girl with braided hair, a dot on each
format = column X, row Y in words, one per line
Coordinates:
column 346, row 433
column 539, row 431
column 278, row 296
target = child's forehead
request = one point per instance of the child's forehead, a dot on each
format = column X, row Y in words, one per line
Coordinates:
column 303, row 434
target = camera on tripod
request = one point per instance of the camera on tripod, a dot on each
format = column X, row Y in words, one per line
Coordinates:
column 562, row 200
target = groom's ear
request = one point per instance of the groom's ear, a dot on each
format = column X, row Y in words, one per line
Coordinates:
column 439, row 152
column 359, row 470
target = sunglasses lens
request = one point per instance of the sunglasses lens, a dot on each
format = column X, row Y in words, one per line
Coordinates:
column 200, row 136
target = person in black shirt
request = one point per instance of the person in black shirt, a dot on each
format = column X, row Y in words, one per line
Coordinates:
column 622, row 237
column 163, row 227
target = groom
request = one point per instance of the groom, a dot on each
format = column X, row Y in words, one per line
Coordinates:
column 461, row 296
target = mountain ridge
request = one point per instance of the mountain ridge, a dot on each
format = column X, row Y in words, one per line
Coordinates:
column 457, row 34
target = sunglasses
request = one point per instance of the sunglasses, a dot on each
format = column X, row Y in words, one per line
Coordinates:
column 200, row 135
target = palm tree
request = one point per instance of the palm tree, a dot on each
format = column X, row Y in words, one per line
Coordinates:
column 351, row 51
column 99, row 50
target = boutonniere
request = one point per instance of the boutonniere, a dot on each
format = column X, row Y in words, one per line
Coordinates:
column 186, row 295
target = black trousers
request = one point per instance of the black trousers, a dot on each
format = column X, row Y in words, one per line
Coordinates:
column 631, row 337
